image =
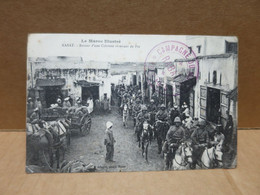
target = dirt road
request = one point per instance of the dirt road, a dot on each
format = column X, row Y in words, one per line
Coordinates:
column 128, row 155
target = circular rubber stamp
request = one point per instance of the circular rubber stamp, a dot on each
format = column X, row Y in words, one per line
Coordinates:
column 176, row 61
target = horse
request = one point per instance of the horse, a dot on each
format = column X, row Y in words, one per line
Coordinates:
column 145, row 139
column 212, row 157
column 183, row 157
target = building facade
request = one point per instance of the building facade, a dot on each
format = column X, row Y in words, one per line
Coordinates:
column 53, row 77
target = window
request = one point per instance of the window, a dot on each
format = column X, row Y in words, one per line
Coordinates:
column 214, row 77
column 190, row 48
column 199, row 47
column 231, row 47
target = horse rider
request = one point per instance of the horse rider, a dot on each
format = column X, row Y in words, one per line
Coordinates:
column 174, row 112
column 200, row 139
column 141, row 117
column 161, row 126
column 109, row 142
column 125, row 115
column 174, row 137
column 152, row 110
column 125, row 100
column 136, row 109
column 155, row 98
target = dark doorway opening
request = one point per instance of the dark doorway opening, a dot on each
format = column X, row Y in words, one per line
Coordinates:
column 153, row 87
column 185, row 95
column 51, row 95
column 213, row 104
column 169, row 95
column 161, row 95
column 134, row 79
column 90, row 92
column 186, row 88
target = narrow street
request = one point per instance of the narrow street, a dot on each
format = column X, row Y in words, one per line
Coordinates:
column 128, row 155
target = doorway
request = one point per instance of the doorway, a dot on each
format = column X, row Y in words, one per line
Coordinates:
column 134, row 80
column 90, row 92
column 169, row 95
column 213, row 104
column 51, row 95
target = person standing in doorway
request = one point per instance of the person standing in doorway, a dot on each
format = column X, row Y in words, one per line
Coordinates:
column 109, row 142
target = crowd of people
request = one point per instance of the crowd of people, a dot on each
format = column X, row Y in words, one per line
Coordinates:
column 170, row 125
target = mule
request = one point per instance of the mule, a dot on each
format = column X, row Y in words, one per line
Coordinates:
column 183, row 157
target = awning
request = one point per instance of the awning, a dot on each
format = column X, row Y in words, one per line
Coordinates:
column 50, row 82
column 84, row 83
column 232, row 94
column 182, row 79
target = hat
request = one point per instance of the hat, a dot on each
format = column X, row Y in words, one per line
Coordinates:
column 59, row 100
column 109, row 124
column 67, row 99
column 137, row 100
column 36, row 109
column 177, row 120
column 202, row 122
column 144, row 108
column 175, row 106
column 152, row 100
column 163, row 106
column 29, row 98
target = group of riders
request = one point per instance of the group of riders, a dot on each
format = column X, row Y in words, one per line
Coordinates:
column 171, row 126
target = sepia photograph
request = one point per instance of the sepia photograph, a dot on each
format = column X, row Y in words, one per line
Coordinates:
column 119, row 103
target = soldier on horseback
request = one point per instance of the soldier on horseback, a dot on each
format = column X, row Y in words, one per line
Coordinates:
column 142, row 116
column 162, row 126
column 200, row 139
column 174, row 112
column 174, row 137
column 136, row 110
column 152, row 110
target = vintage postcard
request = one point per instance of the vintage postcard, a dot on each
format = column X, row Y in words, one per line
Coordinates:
column 112, row 103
